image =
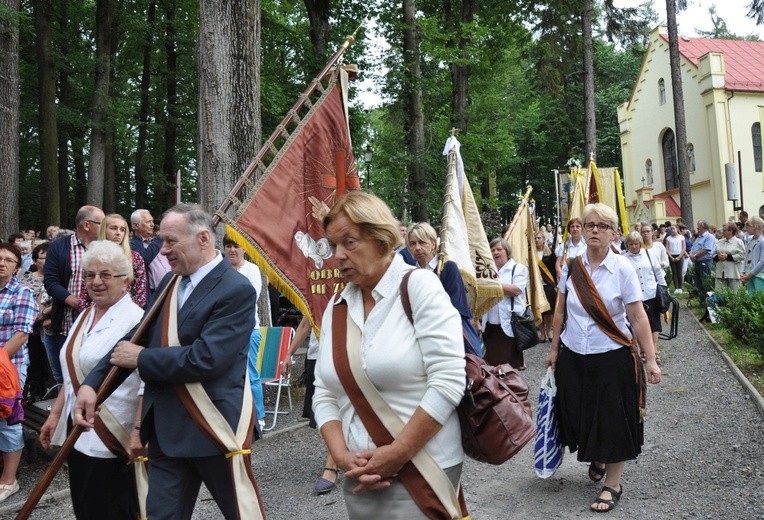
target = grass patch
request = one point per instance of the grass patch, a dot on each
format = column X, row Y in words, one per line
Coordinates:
column 745, row 356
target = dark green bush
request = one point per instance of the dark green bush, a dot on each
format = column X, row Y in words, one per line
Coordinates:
column 742, row 315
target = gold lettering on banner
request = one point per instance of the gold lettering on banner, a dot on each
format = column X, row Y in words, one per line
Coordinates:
column 338, row 286
column 324, row 274
column 318, row 288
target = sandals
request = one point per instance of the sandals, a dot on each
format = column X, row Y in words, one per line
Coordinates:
column 596, row 473
column 324, row 486
column 611, row 503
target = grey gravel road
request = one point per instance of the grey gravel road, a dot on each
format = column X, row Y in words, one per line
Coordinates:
column 703, row 457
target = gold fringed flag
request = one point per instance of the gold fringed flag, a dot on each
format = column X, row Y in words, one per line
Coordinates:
column 520, row 238
column 280, row 223
column 463, row 239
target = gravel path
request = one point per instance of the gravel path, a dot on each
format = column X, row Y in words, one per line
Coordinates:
column 703, row 457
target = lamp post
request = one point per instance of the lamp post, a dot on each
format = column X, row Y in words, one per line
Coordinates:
column 367, row 155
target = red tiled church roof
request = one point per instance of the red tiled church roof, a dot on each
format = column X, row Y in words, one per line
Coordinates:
column 743, row 60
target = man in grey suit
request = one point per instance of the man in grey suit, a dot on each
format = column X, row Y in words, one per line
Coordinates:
column 214, row 320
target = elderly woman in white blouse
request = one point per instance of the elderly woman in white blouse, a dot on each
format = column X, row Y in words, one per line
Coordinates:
column 418, row 368
column 650, row 275
column 101, row 482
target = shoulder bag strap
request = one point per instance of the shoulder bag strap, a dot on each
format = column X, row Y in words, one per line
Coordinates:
column 431, row 499
column 234, row 445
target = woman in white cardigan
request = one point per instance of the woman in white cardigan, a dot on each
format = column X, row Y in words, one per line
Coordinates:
column 102, row 485
column 417, row 368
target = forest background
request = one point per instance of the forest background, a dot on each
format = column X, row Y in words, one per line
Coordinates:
column 115, row 97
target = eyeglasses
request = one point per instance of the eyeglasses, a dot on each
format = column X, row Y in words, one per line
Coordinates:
column 9, row 261
column 589, row 226
column 94, row 222
column 105, row 277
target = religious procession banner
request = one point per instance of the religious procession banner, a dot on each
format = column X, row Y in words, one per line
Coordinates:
column 520, row 238
column 280, row 223
column 463, row 239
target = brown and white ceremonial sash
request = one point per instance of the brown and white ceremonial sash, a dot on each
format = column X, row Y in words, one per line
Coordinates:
column 235, row 446
column 423, row 478
column 108, row 428
column 592, row 302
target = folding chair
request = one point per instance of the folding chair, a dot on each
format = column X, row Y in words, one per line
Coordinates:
column 274, row 344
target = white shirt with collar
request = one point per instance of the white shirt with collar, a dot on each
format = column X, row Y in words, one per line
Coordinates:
column 617, row 283
column 410, row 367
column 501, row 313
column 196, row 277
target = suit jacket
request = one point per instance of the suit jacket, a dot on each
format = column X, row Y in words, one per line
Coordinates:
column 56, row 275
column 214, row 326
column 729, row 269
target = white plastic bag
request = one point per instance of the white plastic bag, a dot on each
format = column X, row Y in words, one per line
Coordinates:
column 548, row 448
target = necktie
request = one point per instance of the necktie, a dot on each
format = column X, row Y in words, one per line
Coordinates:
column 184, row 281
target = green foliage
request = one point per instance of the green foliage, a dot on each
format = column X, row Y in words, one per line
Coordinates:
column 744, row 314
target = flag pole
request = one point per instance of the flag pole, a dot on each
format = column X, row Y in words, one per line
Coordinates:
column 444, row 220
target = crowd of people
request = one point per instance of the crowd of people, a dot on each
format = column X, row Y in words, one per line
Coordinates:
column 383, row 381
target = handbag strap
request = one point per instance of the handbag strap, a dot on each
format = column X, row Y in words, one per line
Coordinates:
column 652, row 269
column 413, row 480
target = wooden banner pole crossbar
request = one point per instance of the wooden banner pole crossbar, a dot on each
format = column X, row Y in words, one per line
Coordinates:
column 282, row 129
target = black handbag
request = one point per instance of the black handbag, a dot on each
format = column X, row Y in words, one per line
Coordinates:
column 523, row 325
column 524, row 329
column 662, row 296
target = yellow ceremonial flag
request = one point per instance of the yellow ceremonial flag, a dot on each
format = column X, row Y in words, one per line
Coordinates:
column 524, row 252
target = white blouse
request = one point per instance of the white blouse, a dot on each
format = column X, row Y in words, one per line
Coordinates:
column 97, row 342
column 617, row 283
column 411, row 367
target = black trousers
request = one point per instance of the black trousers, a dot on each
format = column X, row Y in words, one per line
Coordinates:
column 174, row 484
column 102, row 489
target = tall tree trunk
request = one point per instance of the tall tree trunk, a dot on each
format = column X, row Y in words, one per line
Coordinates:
column 460, row 72
column 413, row 102
column 143, row 116
column 318, row 16
column 590, row 121
column 50, row 207
column 685, row 195
column 98, row 138
column 109, row 170
column 65, row 129
column 169, row 162
column 9, row 108
column 229, row 95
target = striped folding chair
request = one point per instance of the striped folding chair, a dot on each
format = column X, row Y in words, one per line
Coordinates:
column 274, row 344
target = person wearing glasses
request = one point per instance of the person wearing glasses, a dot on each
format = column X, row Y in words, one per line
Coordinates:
column 114, row 229
column 63, row 279
column 101, row 481
column 654, row 248
column 18, row 311
column 598, row 391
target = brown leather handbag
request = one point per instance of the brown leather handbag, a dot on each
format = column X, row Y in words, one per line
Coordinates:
column 495, row 414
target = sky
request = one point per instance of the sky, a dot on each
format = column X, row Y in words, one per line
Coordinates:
column 696, row 16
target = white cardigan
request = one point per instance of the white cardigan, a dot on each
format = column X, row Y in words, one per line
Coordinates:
column 410, row 368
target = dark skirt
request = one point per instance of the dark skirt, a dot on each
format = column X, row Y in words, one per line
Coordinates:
column 653, row 315
column 598, row 405
column 551, row 296
column 310, row 389
column 500, row 348
column 101, row 488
